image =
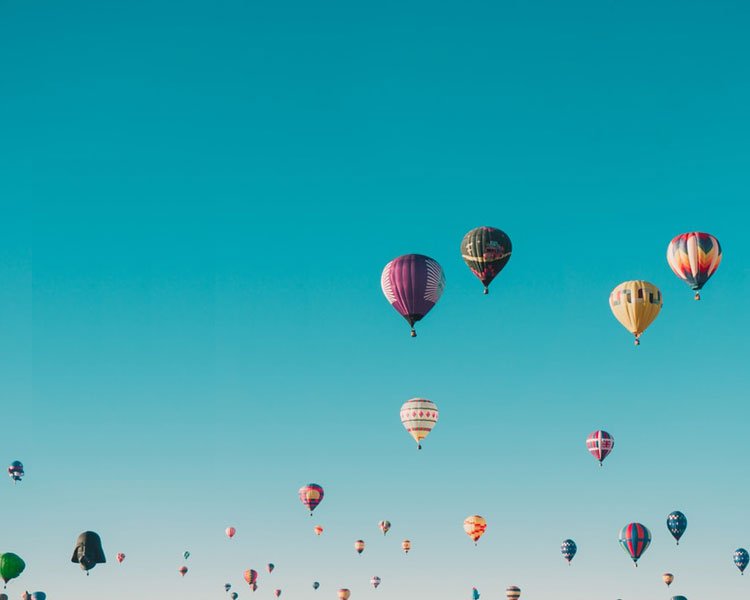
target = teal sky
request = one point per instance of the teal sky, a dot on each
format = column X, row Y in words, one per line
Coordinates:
column 198, row 200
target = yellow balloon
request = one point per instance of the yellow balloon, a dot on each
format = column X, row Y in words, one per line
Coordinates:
column 635, row 304
column 475, row 526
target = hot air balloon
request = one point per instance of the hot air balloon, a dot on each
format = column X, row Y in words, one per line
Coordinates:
column 11, row 566
column 230, row 531
column 419, row 416
column 513, row 592
column 406, row 546
column 677, row 524
column 318, row 530
column 15, row 471
column 384, row 526
column 227, row 587
column 182, row 570
column 88, row 551
column 359, row 546
column 679, row 598
column 667, row 578
column 311, row 495
column 120, row 557
column 270, row 567
column 486, row 251
column 741, row 559
column 344, row 594
column 234, row 595
column 475, row 526
column 186, row 555
column 600, row 444
column 474, row 594
column 635, row 304
column 251, row 576
column 277, row 593
column 413, row 284
column 568, row 550
column 38, row 596
column 694, row 257
column 375, row 581
column 253, row 586
column 635, row 538
column 24, row 596
column 316, row 585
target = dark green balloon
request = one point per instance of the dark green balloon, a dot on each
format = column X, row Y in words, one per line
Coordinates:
column 11, row 566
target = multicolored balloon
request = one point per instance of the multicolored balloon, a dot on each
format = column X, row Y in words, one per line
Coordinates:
column 694, row 258
column 120, row 557
column 741, row 559
column 15, row 471
column 406, row 546
column 413, row 284
column 182, row 570
column 277, row 593
column 230, row 531
column 600, row 444
column 568, row 550
column 270, row 567
column 634, row 539
column 344, row 594
column 667, row 578
column 311, row 495
column 419, row 416
column 486, row 251
column 677, row 524
column 38, row 596
column 474, row 594
column 318, row 530
column 475, row 526
column 359, row 546
column 375, row 581
column 11, row 566
column 251, row 576
column 635, row 304
column 384, row 526
column 513, row 592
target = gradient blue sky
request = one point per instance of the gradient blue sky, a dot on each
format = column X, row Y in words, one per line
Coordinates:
column 198, row 199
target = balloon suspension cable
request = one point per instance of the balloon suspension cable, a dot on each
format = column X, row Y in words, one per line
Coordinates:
column 697, row 295
column 413, row 332
column 637, row 341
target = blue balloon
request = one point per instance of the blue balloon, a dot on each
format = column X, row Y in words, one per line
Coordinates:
column 38, row 596
column 474, row 594
column 677, row 524
column 741, row 559
column 568, row 550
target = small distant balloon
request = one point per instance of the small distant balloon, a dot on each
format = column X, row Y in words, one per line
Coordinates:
column 359, row 546
column 474, row 594
column 634, row 539
column 270, row 567
column 384, row 526
column 475, row 526
column 316, row 585
column 88, row 551
column 120, row 557
column 667, row 578
column 486, row 251
column 230, row 531
column 227, row 587
column 513, row 592
column 15, row 471
column 600, row 444
column 677, row 524
column 182, row 570
column 234, row 595
column 344, row 594
column 375, row 581
column 186, row 555
column 406, row 546
column 311, row 495
column 741, row 559
column 38, row 596
column 568, row 549
column 251, row 576
column 277, row 593
column 318, row 530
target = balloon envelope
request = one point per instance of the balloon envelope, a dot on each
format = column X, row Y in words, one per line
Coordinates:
column 406, row 546
column 634, row 539
column 600, row 444
column 741, row 559
column 318, row 530
column 38, row 596
column 677, row 524
column 375, row 581
column 359, row 546
column 694, row 258
column 88, row 551
column 311, row 495
column 182, row 571
column 15, row 471
column 475, row 526
column 251, row 576
column 667, row 578
column 270, row 567
column 384, row 526
column 568, row 549
column 120, row 557
column 230, row 531
column 486, row 251
column 513, row 592
column 344, row 594
column 419, row 416
column 413, row 284
column 11, row 566
column 316, row 585
column 635, row 304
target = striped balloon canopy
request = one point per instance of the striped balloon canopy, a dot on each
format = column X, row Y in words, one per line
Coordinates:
column 413, row 284
column 251, row 576
column 475, row 526
column 419, row 416
column 694, row 258
column 513, row 592
column 384, row 526
column 406, row 546
column 568, row 549
column 311, row 495
column 600, row 444
column 635, row 538
column 741, row 559
column 677, row 524
column 359, row 546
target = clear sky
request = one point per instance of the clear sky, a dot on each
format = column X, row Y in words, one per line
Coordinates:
column 198, row 199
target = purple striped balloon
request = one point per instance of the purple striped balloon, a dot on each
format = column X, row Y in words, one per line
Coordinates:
column 413, row 284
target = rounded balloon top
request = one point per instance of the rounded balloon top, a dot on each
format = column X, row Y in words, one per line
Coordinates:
column 315, row 585
column 600, row 444
column 568, row 550
column 413, row 284
column 359, row 546
column 318, row 530
column 635, row 305
column 182, row 570
column 419, row 416
column 677, row 524
column 375, row 581
column 741, row 559
column 251, row 576
column 406, row 546
column 667, row 578
column 120, row 557
column 230, row 531
column 15, row 471
column 513, row 592
column 694, row 258
column 385, row 526
column 270, row 567
column 234, row 595
column 635, row 538
column 679, row 598
column 475, row 526
column 486, row 251
column 311, row 495
column 344, row 594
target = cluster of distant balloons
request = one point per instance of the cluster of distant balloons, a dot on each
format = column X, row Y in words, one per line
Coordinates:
column 413, row 283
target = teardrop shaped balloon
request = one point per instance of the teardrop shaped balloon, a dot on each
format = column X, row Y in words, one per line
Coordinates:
column 600, row 444
column 419, row 416
column 406, row 546
column 359, row 546
column 344, row 594
column 568, row 550
column 667, row 578
column 635, row 304
column 474, row 594
column 475, row 526
column 277, row 593
column 311, row 495
column 678, row 598
column 15, row 471
column 677, row 524
column 375, row 581
column 694, row 258
column 234, row 595
column 120, row 557
column 270, row 567
column 384, row 526
column 318, row 530
column 413, row 284
column 316, row 585
column 38, row 596
column 741, row 559
column 634, row 539
column 251, row 576
column 11, row 566
column 230, row 531
column 227, row 587
column 513, row 592
column 486, row 251
column 182, row 571
column 186, row 555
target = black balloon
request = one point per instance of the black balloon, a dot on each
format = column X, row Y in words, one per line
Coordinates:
column 88, row 551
